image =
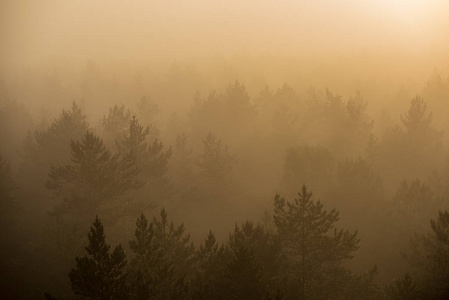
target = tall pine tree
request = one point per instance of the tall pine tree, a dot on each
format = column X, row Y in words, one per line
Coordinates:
column 99, row 275
column 313, row 248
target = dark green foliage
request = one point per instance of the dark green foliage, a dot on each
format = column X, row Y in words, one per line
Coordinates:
column 430, row 258
column 99, row 275
column 263, row 248
column 244, row 275
column 313, row 248
column 209, row 281
column 163, row 255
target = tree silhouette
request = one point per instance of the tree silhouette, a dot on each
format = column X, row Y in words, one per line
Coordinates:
column 94, row 177
column 209, row 280
column 312, row 247
column 430, row 258
column 216, row 162
column 100, row 275
column 162, row 259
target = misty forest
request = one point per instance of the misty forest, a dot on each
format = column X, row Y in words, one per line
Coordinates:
column 209, row 151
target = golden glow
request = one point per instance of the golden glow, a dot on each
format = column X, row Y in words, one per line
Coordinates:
column 143, row 30
column 407, row 8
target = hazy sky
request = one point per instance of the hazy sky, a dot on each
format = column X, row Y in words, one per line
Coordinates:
column 40, row 31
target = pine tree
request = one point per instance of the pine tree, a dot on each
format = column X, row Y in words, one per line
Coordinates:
column 51, row 145
column 151, row 158
column 245, row 275
column 430, row 258
column 95, row 177
column 264, row 249
column 209, row 280
column 100, row 274
column 115, row 125
column 142, row 275
column 313, row 248
column 162, row 259
column 216, row 162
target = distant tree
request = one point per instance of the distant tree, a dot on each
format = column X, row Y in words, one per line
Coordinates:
column 421, row 135
column 151, row 159
column 411, row 150
column 147, row 109
column 313, row 164
column 417, row 121
column 413, row 204
column 47, row 147
column 183, row 163
column 358, row 125
column 224, row 113
column 357, row 185
column 94, row 178
column 15, row 121
column 100, row 275
column 216, row 162
column 264, row 101
column 285, row 112
column 116, row 124
column 430, row 258
column 313, row 248
column 54, row 142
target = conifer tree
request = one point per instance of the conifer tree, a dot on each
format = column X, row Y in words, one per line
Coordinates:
column 94, row 177
column 162, row 259
column 100, row 274
column 312, row 247
column 210, row 269
column 216, row 162
column 430, row 258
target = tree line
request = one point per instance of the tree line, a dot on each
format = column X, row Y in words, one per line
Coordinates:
column 228, row 155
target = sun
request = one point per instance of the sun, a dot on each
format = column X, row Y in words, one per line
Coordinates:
column 411, row 15
column 406, row 8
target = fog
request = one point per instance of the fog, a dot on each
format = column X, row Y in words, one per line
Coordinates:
column 249, row 123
